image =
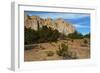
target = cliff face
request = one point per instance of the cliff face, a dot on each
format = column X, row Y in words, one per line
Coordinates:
column 34, row 22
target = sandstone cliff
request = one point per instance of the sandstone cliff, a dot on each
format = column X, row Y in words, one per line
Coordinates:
column 34, row 22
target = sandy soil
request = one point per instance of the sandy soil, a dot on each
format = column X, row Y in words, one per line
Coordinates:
column 40, row 52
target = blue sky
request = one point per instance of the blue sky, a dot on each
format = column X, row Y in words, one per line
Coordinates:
column 81, row 21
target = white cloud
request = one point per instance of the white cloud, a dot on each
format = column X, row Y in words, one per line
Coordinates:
column 59, row 15
column 64, row 15
column 80, row 26
column 74, row 16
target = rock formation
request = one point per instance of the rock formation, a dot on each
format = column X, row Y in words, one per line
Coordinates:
column 34, row 22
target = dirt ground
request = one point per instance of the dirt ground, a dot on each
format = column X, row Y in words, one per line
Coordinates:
column 40, row 52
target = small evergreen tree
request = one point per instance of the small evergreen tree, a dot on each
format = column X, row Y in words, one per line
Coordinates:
column 75, row 35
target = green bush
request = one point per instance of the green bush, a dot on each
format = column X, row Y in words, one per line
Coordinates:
column 47, row 34
column 75, row 35
column 87, row 35
column 63, row 51
column 44, row 34
column 85, row 41
column 30, row 36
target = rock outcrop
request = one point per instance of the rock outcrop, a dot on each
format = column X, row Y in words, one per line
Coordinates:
column 34, row 22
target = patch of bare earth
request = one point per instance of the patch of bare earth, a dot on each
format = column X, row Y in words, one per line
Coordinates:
column 48, row 51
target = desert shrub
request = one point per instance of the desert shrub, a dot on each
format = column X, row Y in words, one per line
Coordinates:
column 75, row 35
column 62, row 36
column 72, row 40
column 31, row 36
column 50, row 53
column 87, row 35
column 85, row 41
column 47, row 34
column 63, row 51
column 44, row 34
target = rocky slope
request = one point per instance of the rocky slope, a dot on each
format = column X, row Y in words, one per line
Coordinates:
column 34, row 22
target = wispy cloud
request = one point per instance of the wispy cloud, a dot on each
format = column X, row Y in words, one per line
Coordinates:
column 55, row 15
column 80, row 26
